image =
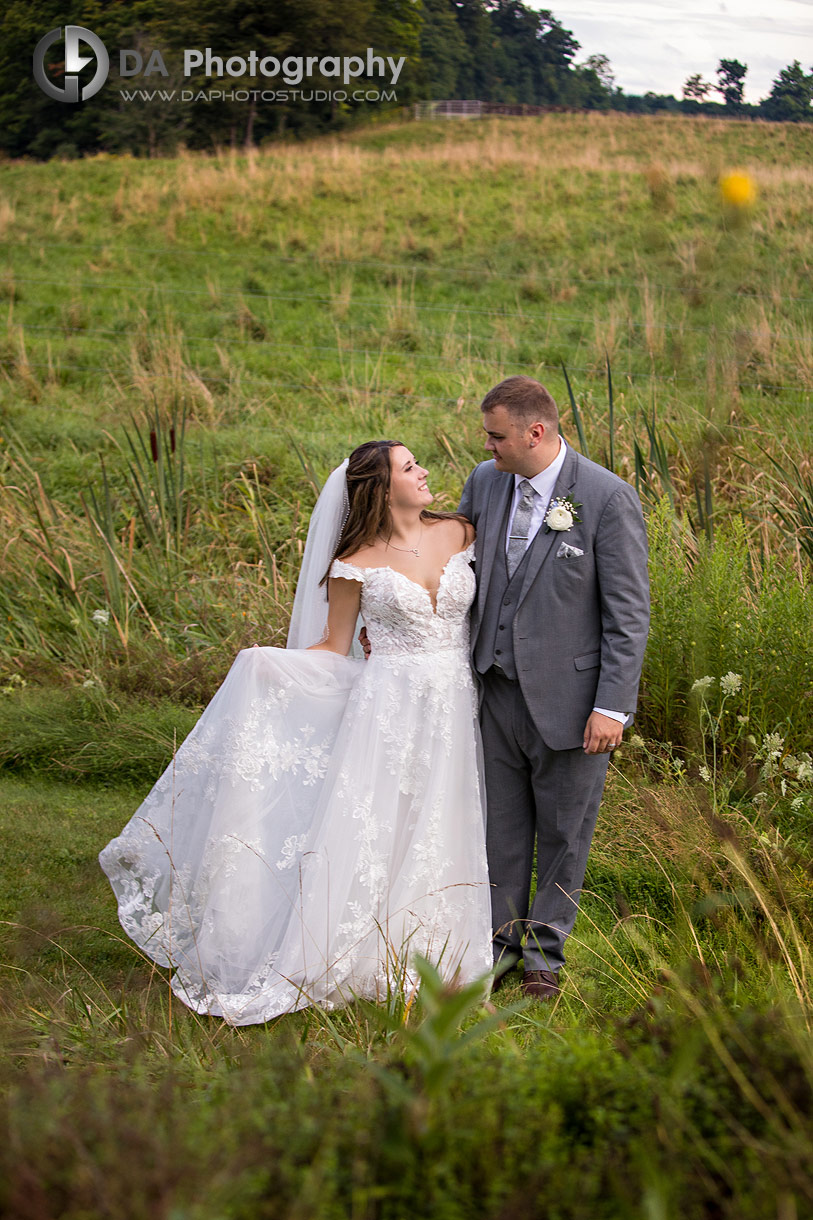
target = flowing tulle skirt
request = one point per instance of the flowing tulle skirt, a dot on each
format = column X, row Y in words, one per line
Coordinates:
column 321, row 825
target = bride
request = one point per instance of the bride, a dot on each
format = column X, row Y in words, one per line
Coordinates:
column 322, row 823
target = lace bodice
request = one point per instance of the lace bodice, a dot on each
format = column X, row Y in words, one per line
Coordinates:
column 398, row 612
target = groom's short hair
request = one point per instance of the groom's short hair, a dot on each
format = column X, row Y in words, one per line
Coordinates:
column 525, row 399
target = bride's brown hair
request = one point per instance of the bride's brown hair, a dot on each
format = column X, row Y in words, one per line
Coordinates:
column 368, row 485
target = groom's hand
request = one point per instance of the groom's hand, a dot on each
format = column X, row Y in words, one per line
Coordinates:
column 602, row 734
column 365, row 643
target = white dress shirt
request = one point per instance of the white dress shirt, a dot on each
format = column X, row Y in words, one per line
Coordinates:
column 543, row 484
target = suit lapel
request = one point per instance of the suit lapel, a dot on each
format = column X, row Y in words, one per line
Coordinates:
column 493, row 543
column 542, row 543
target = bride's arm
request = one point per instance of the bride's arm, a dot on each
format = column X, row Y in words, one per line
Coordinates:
column 344, row 597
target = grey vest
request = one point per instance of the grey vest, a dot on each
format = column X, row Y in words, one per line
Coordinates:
column 495, row 641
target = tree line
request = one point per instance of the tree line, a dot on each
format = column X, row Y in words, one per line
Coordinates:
column 789, row 100
column 490, row 50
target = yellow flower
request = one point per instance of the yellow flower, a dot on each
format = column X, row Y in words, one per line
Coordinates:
column 738, row 190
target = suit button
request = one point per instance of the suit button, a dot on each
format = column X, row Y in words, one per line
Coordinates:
column 502, row 626
column 497, row 652
column 507, row 601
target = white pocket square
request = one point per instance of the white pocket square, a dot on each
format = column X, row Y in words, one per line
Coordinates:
column 566, row 551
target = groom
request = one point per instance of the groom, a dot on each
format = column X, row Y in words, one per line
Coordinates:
column 559, row 627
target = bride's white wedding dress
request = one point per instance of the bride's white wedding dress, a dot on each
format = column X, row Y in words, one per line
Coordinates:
column 322, row 823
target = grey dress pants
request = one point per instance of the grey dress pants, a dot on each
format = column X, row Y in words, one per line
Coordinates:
column 535, row 796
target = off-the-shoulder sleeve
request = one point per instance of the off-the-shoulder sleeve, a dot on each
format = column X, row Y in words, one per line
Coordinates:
column 347, row 571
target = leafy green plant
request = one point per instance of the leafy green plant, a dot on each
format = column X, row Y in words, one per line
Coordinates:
column 432, row 1041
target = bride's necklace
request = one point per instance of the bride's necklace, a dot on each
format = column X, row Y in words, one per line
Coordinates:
column 410, row 550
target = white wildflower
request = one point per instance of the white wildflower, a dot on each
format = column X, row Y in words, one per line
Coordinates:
column 797, row 803
column 705, row 774
column 88, row 682
column 742, row 720
column 702, row 684
column 730, row 683
column 637, row 742
column 101, row 616
column 15, row 682
column 772, row 745
column 804, row 772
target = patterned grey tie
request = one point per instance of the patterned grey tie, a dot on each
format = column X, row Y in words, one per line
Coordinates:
column 518, row 538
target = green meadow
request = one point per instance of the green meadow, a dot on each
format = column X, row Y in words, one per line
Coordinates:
column 187, row 347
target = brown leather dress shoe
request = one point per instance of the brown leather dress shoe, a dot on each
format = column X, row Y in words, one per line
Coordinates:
column 540, row 984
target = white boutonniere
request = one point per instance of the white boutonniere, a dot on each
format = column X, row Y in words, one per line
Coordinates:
column 562, row 515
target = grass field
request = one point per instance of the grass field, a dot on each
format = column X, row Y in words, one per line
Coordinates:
column 188, row 347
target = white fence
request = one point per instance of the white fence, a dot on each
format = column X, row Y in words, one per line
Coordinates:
column 448, row 110
column 476, row 110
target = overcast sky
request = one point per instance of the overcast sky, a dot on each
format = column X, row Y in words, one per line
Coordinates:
column 656, row 44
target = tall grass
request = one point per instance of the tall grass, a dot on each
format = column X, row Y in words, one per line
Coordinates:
column 132, row 568
column 720, row 607
column 189, row 346
column 679, row 1046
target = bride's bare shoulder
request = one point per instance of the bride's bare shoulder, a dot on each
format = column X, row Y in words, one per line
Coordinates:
column 454, row 531
column 365, row 557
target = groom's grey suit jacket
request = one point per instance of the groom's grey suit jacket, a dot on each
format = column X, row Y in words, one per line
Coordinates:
column 580, row 622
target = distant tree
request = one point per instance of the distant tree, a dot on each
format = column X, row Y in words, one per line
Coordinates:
column 790, row 96
column 556, row 50
column 591, row 85
column 603, row 69
column 144, row 129
column 533, row 55
column 660, row 101
column 478, row 76
column 731, row 82
column 647, row 103
column 696, row 89
column 445, row 56
column 584, row 91
column 32, row 124
column 559, row 45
